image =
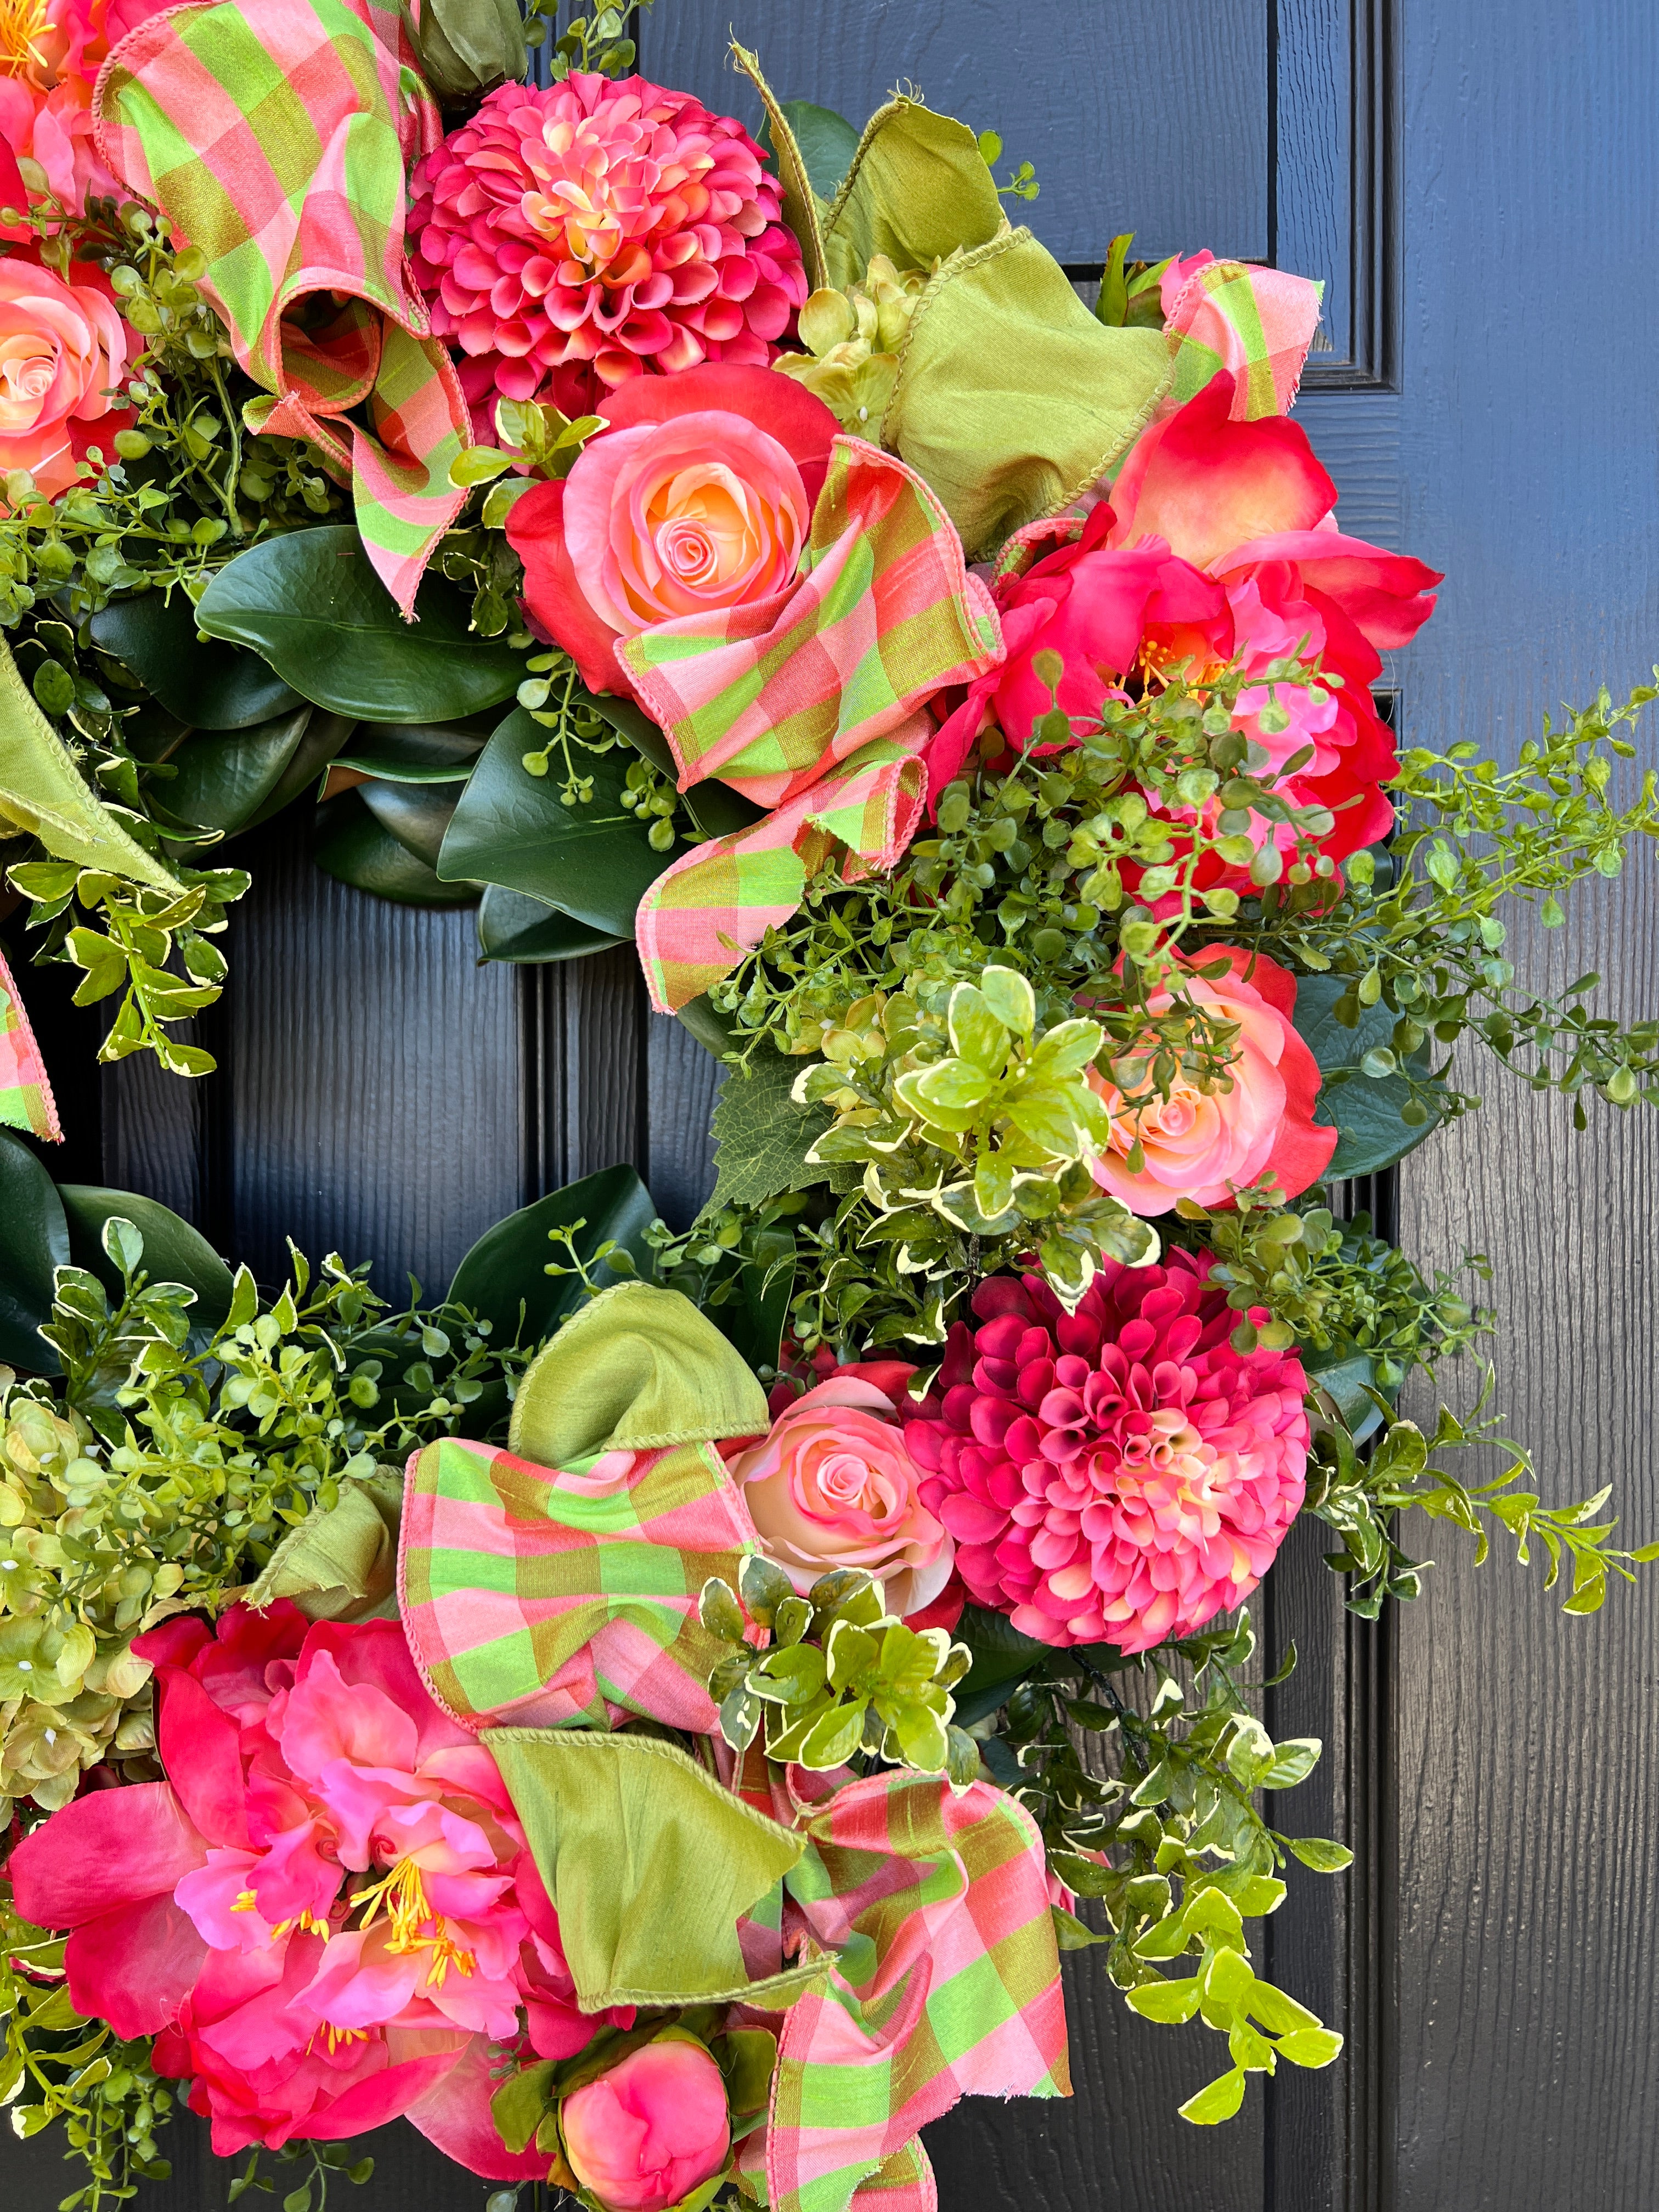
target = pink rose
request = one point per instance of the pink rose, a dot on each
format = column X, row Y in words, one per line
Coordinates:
column 699, row 496
column 644, row 2134
column 832, row 1485
column 1203, row 1144
column 63, row 347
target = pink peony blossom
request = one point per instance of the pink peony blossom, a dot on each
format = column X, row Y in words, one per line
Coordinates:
column 51, row 53
column 328, row 1909
column 1205, row 1144
column 1121, row 1473
column 63, row 350
column 832, row 1485
column 571, row 237
column 645, row 2134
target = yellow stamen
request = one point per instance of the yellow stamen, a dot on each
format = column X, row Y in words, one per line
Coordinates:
column 336, row 2036
column 22, row 25
column 308, row 1923
column 414, row 1925
column 245, row 1902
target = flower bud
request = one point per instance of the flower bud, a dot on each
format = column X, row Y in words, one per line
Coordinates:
column 644, row 2134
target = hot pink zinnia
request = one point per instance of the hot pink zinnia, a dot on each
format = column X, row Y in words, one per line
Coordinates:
column 1118, row 1475
column 571, row 237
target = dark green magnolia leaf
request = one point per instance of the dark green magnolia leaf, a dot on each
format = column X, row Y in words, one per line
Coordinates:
column 760, row 1136
column 325, row 735
column 223, row 777
column 1002, row 1657
column 1365, row 1108
column 507, row 1267
column 424, row 752
column 513, row 928
column 716, row 811
column 1346, row 1378
column 35, row 1240
column 416, row 814
column 348, row 844
column 827, row 141
column 594, row 862
column 173, row 1251
column 714, row 1031
column 314, row 607
column 216, row 686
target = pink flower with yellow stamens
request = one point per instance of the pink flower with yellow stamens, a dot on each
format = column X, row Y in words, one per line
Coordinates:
column 327, row 1912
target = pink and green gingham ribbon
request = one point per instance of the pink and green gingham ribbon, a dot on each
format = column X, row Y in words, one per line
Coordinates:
column 26, row 1100
column 536, row 1597
column 810, row 703
column 945, row 1984
column 1258, row 322
column 274, row 136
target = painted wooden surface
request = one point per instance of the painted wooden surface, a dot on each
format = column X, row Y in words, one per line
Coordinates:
column 1479, row 184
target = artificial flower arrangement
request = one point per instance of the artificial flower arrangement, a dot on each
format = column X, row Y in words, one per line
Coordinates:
column 655, row 1719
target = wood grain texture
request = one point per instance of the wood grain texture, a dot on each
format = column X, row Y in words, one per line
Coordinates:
column 1527, row 1746
column 682, row 1082
column 1145, row 115
column 370, row 1076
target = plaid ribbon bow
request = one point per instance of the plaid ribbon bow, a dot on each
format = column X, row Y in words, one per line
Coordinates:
column 1257, row 323
column 274, row 134
column 560, row 1587
column 810, row 703
column 26, row 1100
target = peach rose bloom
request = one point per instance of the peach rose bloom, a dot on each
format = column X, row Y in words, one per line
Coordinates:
column 832, row 1485
column 1204, row 1144
column 62, row 348
column 676, row 518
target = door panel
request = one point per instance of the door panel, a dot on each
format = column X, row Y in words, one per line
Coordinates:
column 1477, row 185
column 1149, row 115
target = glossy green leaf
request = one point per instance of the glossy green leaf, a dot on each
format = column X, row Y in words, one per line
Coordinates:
column 214, row 687
column 35, row 1240
column 1218, row 2101
column 314, row 607
column 175, row 1252
column 350, row 845
column 1364, row 1108
column 513, row 928
column 1002, row 1657
column 506, row 1269
column 416, row 814
column 223, row 777
column 325, row 735
column 827, row 142
column 594, row 862
column 421, row 752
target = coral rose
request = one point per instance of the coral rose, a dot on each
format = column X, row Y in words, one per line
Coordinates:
column 644, row 2134
column 570, row 237
column 1118, row 1475
column 63, row 347
column 1205, row 1144
column 832, row 1485
column 699, row 496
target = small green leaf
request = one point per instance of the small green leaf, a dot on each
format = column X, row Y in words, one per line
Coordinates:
column 1169, row 2001
column 1219, row 2102
column 1323, row 1857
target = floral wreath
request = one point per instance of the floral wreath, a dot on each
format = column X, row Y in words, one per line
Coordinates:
column 655, row 1718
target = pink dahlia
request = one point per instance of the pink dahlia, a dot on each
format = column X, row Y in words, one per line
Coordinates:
column 1117, row 1474
column 568, row 237
column 327, row 1911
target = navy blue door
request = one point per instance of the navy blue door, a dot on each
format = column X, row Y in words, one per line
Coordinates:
column 1477, row 182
